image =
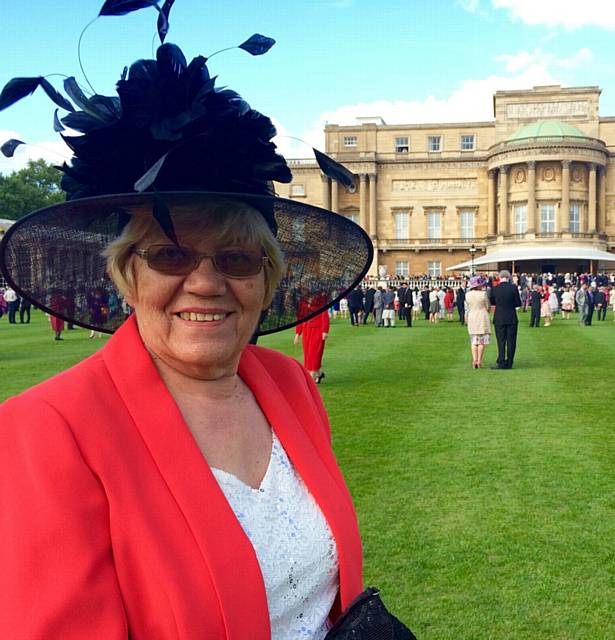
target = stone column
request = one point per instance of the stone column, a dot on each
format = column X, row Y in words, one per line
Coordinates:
column 532, row 225
column 491, row 195
column 363, row 201
column 564, row 212
column 602, row 200
column 591, row 205
column 326, row 193
column 335, row 206
column 373, row 227
column 503, row 220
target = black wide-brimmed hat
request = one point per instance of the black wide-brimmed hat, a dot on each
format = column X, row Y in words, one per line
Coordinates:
column 170, row 139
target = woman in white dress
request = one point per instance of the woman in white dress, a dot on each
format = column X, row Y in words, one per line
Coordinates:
column 567, row 303
column 477, row 316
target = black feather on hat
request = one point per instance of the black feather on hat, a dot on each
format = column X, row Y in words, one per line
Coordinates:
column 170, row 137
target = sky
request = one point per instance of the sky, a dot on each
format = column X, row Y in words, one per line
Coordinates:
column 412, row 61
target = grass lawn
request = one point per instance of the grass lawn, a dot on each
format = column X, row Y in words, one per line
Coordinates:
column 485, row 498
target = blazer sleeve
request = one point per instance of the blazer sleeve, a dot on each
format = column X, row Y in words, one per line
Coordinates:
column 325, row 322
column 58, row 579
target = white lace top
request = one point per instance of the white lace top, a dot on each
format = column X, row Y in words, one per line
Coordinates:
column 295, row 548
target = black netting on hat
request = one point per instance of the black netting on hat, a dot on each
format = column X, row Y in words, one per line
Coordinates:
column 53, row 257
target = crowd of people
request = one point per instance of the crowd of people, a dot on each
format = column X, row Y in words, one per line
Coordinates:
column 543, row 296
column 102, row 303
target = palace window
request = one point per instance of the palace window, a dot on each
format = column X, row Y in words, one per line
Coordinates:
column 466, row 224
column 401, row 268
column 547, row 218
column 434, row 225
column 350, row 141
column 402, row 220
column 354, row 216
column 520, row 214
column 401, row 145
column 467, row 142
column 297, row 190
column 575, row 217
column 434, row 143
column 434, row 268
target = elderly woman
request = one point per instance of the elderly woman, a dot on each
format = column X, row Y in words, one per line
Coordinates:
column 179, row 483
column 478, row 321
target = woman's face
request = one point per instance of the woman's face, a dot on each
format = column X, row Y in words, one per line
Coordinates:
column 196, row 324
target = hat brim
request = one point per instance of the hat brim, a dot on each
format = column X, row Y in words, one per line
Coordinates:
column 57, row 251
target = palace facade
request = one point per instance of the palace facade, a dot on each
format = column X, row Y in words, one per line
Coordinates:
column 534, row 189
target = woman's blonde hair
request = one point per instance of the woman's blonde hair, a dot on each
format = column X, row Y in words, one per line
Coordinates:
column 220, row 221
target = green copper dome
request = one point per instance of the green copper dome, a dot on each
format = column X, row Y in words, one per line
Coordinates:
column 547, row 129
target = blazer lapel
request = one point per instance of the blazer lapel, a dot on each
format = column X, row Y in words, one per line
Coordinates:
column 225, row 548
column 313, row 467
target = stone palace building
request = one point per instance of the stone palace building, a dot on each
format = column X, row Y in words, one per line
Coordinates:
column 532, row 190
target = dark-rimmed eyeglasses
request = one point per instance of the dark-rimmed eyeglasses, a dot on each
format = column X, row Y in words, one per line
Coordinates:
column 175, row 260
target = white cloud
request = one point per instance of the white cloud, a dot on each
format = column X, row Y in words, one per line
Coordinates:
column 471, row 6
column 517, row 62
column 561, row 13
column 54, row 152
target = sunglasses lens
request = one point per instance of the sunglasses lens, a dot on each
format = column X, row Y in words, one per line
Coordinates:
column 170, row 259
column 239, row 264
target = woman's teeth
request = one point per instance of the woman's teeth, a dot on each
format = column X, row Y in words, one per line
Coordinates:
column 201, row 317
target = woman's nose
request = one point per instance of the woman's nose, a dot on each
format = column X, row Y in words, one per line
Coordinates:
column 205, row 279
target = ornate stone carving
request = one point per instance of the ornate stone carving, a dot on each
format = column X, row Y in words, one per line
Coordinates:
column 449, row 185
column 519, row 176
column 548, row 174
column 576, row 174
column 547, row 109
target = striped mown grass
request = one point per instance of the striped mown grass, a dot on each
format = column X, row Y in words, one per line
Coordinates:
column 485, row 498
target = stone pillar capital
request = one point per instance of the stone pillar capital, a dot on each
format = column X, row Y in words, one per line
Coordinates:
column 504, row 169
column 363, row 177
column 566, row 164
column 491, row 174
column 372, row 177
column 531, row 165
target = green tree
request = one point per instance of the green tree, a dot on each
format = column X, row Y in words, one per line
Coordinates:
column 31, row 188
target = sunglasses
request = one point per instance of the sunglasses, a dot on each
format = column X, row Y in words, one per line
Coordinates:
column 174, row 260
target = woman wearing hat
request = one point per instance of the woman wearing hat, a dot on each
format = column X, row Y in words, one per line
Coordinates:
column 179, row 483
column 479, row 323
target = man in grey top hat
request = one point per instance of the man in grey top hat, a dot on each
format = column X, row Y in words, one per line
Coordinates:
column 506, row 299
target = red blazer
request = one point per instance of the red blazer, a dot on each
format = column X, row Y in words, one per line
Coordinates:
column 111, row 521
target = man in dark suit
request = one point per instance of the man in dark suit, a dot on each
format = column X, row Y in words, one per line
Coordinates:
column 368, row 303
column 506, row 299
column 402, row 292
column 535, row 306
column 460, row 301
column 355, row 305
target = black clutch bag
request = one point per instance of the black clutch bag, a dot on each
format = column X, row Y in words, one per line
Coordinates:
column 368, row 619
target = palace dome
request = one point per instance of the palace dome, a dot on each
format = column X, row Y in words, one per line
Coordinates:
column 546, row 129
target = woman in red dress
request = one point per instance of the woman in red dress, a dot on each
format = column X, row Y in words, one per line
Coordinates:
column 57, row 303
column 313, row 334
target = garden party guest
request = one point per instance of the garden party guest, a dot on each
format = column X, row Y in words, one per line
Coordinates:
column 545, row 307
column 57, row 306
column 581, row 298
column 460, row 302
column 505, row 297
column 25, row 311
column 449, row 303
column 180, row 483
column 388, row 303
column 567, row 302
column 314, row 332
column 477, row 316
column 12, row 303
